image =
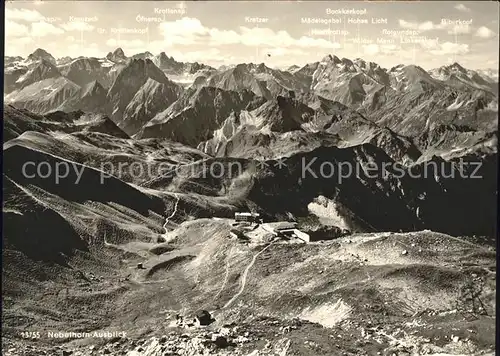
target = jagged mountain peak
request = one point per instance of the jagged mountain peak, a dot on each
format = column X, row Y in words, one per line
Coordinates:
column 261, row 67
column 13, row 58
column 360, row 62
column 64, row 60
column 166, row 63
column 447, row 70
column 145, row 64
column 248, row 66
column 119, row 52
column 242, row 66
column 334, row 62
column 117, row 56
column 331, row 58
column 173, row 67
column 162, row 58
column 41, row 54
column 209, row 93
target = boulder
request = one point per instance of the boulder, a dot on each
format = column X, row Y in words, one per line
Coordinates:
column 220, row 341
column 203, row 317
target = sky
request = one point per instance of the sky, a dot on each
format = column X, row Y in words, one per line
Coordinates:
column 277, row 33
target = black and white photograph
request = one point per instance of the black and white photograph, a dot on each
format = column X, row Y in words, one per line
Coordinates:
column 250, row 178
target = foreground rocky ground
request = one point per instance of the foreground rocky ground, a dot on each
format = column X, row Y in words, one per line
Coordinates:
column 268, row 336
column 364, row 294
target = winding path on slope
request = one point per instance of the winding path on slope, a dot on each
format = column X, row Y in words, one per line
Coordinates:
column 226, row 276
column 106, row 243
column 167, row 219
column 244, row 277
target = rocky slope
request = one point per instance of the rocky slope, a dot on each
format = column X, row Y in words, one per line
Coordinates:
column 392, row 293
column 152, row 98
column 128, row 84
column 45, row 95
column 41, row 71
column 197, row 113
column 86, row 70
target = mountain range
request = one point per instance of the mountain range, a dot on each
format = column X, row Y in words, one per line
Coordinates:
column 142, row 91
column 251, row 111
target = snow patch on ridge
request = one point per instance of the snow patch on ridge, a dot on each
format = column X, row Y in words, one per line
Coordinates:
column 328, row 314
column 327, row 211
column 455, row 105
